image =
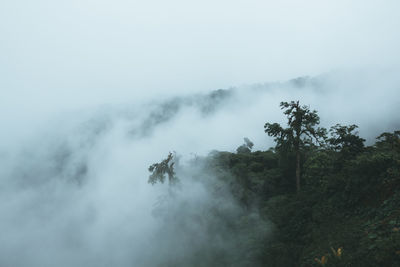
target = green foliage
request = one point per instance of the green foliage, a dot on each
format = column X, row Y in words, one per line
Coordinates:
column 302, row 131
column 302, row 127
column 159, row 171
column 318, row 169
column 345, row 140
column 350, row 200
column 347, row 213
column 389, row 141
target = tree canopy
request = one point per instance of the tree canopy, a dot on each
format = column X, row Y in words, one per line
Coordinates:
column 301, row 131
column 346, row 213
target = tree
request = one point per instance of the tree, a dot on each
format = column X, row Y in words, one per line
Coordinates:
column 302, row 131
column 160, row 170
column 345, row 141
column 389, row 140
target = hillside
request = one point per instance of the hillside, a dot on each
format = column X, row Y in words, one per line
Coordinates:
column 346, row 213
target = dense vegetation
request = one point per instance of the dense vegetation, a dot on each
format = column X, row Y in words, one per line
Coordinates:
column 346, row 212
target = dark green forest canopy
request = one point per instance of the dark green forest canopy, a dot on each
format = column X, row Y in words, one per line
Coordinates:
column 347, row 212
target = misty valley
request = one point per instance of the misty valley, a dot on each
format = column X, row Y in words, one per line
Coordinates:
column 246, row 133
column 196, row 180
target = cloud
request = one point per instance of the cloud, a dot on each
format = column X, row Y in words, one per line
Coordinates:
column 74, row 192
column 93, row 92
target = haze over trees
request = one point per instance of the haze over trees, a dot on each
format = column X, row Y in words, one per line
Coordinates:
column 344, row 214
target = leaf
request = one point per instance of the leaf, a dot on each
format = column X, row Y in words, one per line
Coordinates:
column 372, row 236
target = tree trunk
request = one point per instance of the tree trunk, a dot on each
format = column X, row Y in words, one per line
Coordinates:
column 298, row 170
column 297, row 148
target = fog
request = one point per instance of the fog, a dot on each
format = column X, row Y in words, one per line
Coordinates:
column 93, row 92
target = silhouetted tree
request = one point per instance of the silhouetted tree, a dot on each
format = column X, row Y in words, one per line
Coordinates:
column 302, row 131
column 389, row 140
column 345, row 140
column 159, row 171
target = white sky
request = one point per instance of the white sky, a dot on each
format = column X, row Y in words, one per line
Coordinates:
column 100, row 50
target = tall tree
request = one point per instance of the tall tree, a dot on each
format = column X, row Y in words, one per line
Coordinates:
column 302, row 131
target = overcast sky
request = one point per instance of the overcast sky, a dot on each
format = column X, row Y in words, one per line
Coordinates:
column 99, row 51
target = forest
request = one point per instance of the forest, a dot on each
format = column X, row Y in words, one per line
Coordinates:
column 319, row 197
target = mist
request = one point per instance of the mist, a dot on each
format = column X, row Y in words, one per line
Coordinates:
column 94, row 92
column 75, row 192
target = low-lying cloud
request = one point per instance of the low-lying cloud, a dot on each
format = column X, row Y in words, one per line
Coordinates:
column 74, row 192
